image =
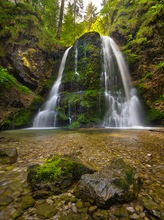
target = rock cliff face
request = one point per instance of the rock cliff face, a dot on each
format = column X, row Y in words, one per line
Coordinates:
column 30, row 65
column 27, row 67
column 80, row 93
column 32, row 68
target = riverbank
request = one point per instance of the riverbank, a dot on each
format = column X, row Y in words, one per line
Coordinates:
column 142, row 149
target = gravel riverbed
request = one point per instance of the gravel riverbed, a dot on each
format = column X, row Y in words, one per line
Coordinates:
column 142, row 149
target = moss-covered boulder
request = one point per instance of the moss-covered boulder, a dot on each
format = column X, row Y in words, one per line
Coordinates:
column 80, row 95
column 114, row 184
column 57, row 174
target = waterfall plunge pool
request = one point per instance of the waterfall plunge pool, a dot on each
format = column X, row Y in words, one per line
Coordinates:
column 39, row 131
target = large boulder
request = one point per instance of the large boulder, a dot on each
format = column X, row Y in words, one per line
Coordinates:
column 56, row 175
column 80, row 91
column 114, row 184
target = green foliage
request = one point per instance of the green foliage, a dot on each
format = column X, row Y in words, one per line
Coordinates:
column 71, row 30
column 75, row 124
column 21, row 23
column 90, row 16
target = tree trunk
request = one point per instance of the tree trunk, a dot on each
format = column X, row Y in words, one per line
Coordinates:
column 60, row 20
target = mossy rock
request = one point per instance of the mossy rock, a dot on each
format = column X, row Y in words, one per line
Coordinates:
column 45, row 211
column 73, row 216
column 27, row 201
column 56, row 174
column 101, row 215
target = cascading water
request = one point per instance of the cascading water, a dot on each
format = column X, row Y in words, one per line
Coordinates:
column 121, row 101
column 119, row 98
column 76, row 58
column 46, row 117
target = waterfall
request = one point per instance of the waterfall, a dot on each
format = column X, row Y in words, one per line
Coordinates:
column 118, row 101
column 46, row 117
column 121, row 101
column 76, row 58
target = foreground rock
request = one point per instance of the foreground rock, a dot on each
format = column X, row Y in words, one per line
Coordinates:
column 8, row 155
column 116, row 183
column 56, row 175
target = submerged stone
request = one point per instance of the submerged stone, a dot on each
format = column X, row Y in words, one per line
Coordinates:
column 101, row 215
column 27, row 201
column 8, row 155
column 45, row 210
column 114, row 184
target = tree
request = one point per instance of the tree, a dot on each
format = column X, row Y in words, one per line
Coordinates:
column 48, row 11
column 72, row 27
column 90, row 16
column 60, row 20
column 77, row 12
column 67, row 34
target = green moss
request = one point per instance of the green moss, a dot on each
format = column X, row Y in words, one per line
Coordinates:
column 24, row 89
column 125, row 181
column 140, row 87
column 101, row 214
column 6, row 80
column 147, row 76
column 45, row 211
column 121, row 183
column 27, row 201
column 161, row 98
column 61, row 171
column 21, row 117
column 53, row 169
column 129, row 175
column 145, row 32
column 131, row 57
column 36, row 103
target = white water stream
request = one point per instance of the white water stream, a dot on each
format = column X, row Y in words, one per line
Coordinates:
column 121, row 101
column 46, row 117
